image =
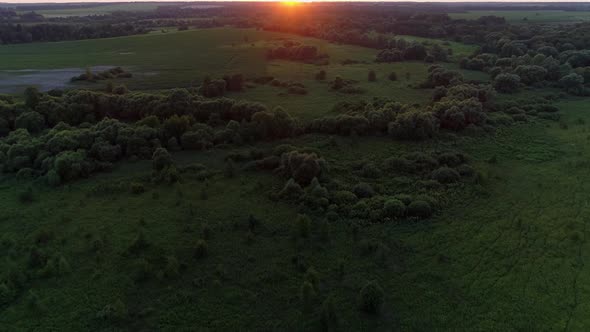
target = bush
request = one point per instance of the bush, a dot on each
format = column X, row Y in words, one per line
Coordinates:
column 506, row 83
column 328, row 316
column 114, row 312
column 321, row 75
column 201, row 249
column 445, row 175
column 292, row 190
column 303, row 224
column 420, row 209
column 307, row 295
column 363, row 190
column 372, row 77
column 371, row 298
column 302, row 167
column 392, row 76
column 137, row 188
column 394, row 208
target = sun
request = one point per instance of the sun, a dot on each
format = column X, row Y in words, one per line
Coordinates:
column 290, row 3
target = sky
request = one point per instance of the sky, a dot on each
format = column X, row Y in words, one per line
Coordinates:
column 110, row 1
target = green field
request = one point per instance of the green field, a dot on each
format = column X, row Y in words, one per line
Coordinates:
column 539, row 16
column 99, row 9
column 183, row 59
column 509, row 256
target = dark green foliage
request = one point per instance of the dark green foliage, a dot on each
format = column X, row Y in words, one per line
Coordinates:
column 201, row 250
column 302, row 167
column 420, row 209
column 292, row 190
column 303, row 224
column 394, row 208
column 137, row 188
column 329, row 317
column 114, row 312
column 372, row 77
column 307, row 294
column 507, row 83
column 392, row 76
column 445, row 175
column 371, row 298
column 363, row 190
column 414, row 125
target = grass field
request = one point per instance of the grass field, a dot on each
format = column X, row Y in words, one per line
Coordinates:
column 100, row 9
column 539, row 16
column 182, row 59
column 508, row 256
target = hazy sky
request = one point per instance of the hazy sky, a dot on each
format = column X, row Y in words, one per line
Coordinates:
column 105, row 1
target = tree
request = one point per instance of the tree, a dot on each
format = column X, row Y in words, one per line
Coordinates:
column 573, row 83
column 371, row 298
column 506, row 83
column 32, row 97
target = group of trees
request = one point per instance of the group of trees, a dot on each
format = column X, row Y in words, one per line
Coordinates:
column 543, row 59
column 89, row 76
column 81, row 132
column 297, row 52
column 45, row 32
column 399, row 50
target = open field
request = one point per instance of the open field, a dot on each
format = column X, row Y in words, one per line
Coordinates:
column 509, row 257
column 540, row 16
column 99, row 9
column 436, row 199
column 183, row 59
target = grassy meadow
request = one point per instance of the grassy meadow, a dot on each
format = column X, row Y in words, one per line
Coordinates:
column 183, row 59
column 506, row 256
column 99, row 9
column 505, row 251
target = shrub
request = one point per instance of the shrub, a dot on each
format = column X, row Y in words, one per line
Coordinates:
column 302, row 167
column 363, row 190
column 328, row 316
column 344, row 197
column 307, row 295
column 201, row 249
column 392, row 76
column 372, row 77
column 292, row 190
column 120, row 89
column 413, row 125
column 114, row 312
column 445, row 175
column 420, row 209
column 137, row 188
column 506, row 83
column 161, row 159
column 321, row 75
column 394, row 208
column 371, row 298
column 303, row 224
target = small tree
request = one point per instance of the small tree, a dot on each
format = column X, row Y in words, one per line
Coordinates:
column 371, row 298
column 372, row 76
column 392, row 76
